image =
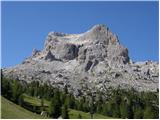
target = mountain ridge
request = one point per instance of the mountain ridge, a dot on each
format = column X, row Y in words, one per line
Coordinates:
column 90, row 61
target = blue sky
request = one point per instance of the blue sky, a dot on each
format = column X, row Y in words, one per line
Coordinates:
column 25, row 25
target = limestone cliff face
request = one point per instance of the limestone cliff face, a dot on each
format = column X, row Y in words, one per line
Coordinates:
column 88, row 61
column 96, row 44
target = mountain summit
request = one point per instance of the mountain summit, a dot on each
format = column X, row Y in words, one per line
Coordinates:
column 90, row 61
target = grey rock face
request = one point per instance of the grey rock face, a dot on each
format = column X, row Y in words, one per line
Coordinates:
column 67, row 51
column 35, row 53
column 90, row 61
column 49, row 56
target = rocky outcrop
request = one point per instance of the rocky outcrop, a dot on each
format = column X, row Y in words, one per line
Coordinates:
column 35, row 52
column 49, row 56
column 67, row 51
column 91, row 61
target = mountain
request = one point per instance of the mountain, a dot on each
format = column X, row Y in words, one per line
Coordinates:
column 90, row 61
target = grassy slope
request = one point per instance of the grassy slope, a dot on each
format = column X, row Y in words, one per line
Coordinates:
column 35, row 101
column 12, row 111
column 73, row 114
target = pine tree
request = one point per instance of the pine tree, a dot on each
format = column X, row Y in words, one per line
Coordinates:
column 92, row 107
column 129, row 111
column 55, row 106
column 86, row 106
column 99, row 108
column 70, row 101
column 65, row 112
column 57, row 96
column 80, row 105
column 16, row 91
column 66, row 89
column 149, row 113
column 55, row 109
column 126, row 108
column 79, row 116
column 63, row 98
column 36, row 87
column 6, row 88
column 123, row 110
column 42, row 104
column 138, row 113
column 21, row 100
column 107, row 109
column 31, row 89
column 116, row 110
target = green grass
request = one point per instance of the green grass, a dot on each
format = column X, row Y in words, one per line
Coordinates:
column 73, row 114
column 10, row 110
column 35, row 101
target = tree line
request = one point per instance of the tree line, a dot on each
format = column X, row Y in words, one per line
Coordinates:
column 120, row 104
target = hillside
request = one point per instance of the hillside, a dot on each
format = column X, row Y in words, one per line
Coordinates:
column 10, row 110
column 47, row 100
column 73, row 114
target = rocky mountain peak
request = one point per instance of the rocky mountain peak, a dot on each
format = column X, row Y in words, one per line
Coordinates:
column 97, row 43
column 58, row 34
column 99, row 28
column 102, row 33
column 95, row 59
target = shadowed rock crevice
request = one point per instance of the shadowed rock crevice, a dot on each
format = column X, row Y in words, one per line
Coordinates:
column 88, row 65
column 50, row 57
column 67, row 51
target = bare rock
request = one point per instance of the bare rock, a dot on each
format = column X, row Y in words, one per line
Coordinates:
column 49, row 56
column 67, row 51
column 35, row 52
column 86, row 62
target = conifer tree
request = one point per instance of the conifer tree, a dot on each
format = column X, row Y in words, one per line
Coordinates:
column 55, row 106
column 42, row 104
column 79, row 116
column 65, row 112
column 138, row 113
column 123, row 110
column 149, row 113
column 16, row 91
column 21, row 100
column 55, row 109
